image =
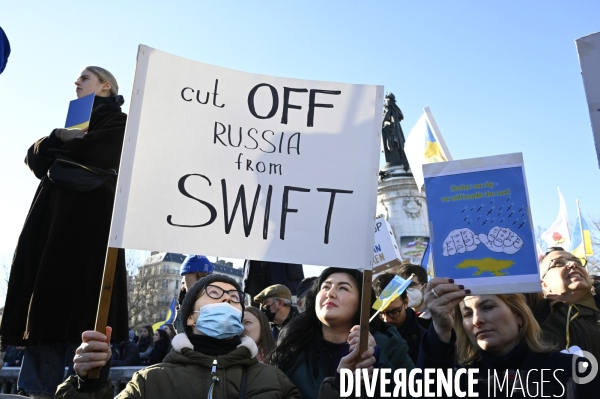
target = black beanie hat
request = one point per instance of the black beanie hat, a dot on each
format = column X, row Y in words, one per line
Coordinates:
column 187, row 307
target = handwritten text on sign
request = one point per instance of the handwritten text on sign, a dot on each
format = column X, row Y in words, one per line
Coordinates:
column 233, row 164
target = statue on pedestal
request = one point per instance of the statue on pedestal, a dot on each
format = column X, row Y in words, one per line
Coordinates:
column 393, row 137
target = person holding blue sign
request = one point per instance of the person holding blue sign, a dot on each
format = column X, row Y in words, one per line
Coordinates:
column 57, row 269
column 499, row 337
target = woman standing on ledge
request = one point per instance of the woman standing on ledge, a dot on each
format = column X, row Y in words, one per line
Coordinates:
column 58, row 265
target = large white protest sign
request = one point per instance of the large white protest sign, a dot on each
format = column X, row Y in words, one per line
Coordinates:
column 234, row 164
column 588, row 48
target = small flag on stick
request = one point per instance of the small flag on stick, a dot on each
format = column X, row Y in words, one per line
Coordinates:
column 391, row 291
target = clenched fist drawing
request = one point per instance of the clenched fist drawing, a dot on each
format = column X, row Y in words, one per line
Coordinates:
column 460, row 241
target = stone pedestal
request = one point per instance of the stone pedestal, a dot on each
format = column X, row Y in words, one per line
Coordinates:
column 404, row 207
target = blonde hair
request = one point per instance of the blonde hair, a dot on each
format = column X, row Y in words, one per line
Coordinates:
column 530, row 330
column 105, row 76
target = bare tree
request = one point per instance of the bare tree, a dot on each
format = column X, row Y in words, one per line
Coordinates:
column 4, row 277
column 594, row 261
column 150, row 290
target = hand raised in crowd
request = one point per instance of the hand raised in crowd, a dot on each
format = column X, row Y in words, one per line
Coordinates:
column 441, row 296
column 94, row 351
column 352, row 361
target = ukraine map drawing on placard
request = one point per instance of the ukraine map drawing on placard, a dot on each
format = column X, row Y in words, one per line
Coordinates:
column 484, row 224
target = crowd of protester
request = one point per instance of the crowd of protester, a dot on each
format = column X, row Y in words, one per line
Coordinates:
column 217, row 347
column 227, row 342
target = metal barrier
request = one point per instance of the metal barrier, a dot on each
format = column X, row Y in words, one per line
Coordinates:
column 118, row 375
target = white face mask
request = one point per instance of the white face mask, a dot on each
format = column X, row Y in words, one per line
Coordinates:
column 415, row 297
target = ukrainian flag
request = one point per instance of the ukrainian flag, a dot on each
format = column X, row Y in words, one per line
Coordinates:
column 170, row 316
column 424, row 145
column 577, row 243
column 433, row 150
column 80, row 112
column 391, row 291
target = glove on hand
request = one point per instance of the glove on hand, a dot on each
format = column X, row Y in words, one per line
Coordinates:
column 68, row 134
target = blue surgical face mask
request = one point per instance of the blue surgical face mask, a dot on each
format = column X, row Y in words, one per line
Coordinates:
column 219, row 320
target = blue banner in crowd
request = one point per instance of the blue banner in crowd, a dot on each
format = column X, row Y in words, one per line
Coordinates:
column 479, row 216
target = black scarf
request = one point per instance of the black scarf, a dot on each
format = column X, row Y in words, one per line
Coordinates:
column 213, row 346
column 104, row 105
column 144, row 343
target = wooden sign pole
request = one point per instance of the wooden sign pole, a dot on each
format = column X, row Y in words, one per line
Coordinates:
column 365, row 313
column 105, row 296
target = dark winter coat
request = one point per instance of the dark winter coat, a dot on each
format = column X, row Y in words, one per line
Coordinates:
column 186, row 373
column 412, row 332
column 125, row 354
column 522, row 366
column 275, row 329
column 584, row 330
column 161, row 348
column 315, row 374
column 58, row 265
column 259, row 275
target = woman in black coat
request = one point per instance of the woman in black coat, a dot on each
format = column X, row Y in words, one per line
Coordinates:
column 58, row 264
column 162, row 345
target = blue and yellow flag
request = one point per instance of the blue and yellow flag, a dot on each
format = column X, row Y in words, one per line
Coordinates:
column 577, row 243
column 80, row 112
column 425, row 145
column 170, row 316
column 391, row 291
column 433, row 150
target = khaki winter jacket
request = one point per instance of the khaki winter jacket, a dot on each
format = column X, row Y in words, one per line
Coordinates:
column 185, row 373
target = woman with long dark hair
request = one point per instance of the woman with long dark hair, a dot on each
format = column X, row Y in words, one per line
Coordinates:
column 256, row 326
column 162, row 345
column 146, row 344
column 170, row 330
column 312, row 347
column 57, row 269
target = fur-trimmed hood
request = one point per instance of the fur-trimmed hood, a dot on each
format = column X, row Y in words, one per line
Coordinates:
column 181, row 341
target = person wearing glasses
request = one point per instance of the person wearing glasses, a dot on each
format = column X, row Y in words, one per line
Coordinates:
column 401, row 316
column 415, row 291
column 210, row 359
column 568, row 312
